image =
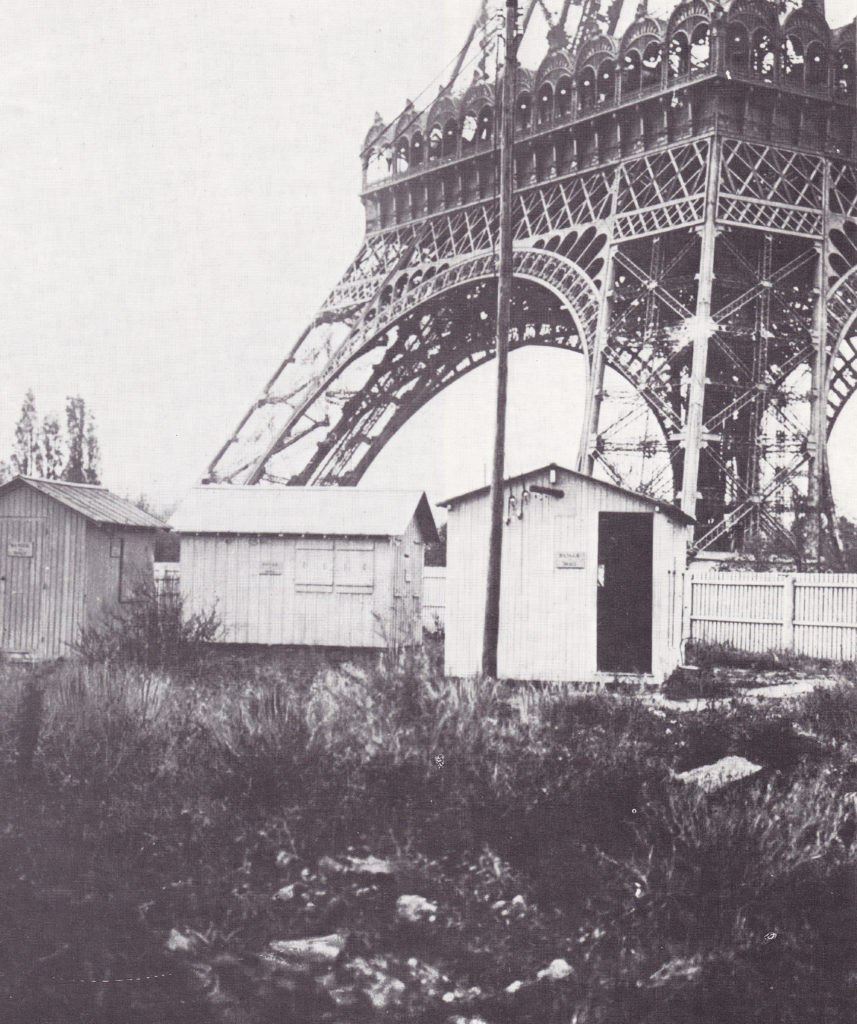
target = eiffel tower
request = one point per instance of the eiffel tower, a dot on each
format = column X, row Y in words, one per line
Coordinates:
column 685, row 219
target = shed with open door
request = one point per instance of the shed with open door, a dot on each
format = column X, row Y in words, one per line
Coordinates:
column 69, row 555
column 306, row 566
column 591, row 582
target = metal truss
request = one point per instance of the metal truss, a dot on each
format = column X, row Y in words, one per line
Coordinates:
column 622, row 236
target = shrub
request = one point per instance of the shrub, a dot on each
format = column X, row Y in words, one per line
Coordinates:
column 152, row 630
column 700, row 683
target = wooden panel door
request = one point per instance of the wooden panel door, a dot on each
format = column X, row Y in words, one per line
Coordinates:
column 21, row 583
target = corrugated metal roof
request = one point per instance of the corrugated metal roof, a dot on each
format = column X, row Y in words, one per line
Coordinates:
column 659, row 506
column 337, row 511
column 92, row 501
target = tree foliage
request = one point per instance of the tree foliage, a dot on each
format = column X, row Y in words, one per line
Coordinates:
column 27, row 457
column 83, row 463
column 43, row 448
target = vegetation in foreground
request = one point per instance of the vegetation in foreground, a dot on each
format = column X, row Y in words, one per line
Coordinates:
column 453, row 852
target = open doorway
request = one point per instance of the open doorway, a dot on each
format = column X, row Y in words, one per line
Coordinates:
column 624, row 640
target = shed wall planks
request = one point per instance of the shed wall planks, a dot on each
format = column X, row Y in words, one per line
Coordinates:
column 548, row 614
column 73, row 578
column 338, row 591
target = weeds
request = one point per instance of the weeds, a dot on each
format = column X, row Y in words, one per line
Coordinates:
column 153, row 630
column 540, row 824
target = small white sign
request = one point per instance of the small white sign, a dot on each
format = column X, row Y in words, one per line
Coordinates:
column 271, row 569
column 19, row 549
column 570, row 560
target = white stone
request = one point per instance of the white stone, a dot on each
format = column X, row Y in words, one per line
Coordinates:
column 322, row 949
column 179, row 943
column 557, row 970
column 415, row 909
column 712, row 777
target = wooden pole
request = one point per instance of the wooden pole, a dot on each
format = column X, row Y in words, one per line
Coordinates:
column 818, row 394
column 491, row 632
column 700, row 330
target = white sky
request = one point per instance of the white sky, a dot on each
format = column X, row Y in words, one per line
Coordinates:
column 178, row 193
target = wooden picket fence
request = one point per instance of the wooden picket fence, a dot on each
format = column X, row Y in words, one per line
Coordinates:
column 808, row 613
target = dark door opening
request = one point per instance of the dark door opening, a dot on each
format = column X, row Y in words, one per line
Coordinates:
column 624, row 640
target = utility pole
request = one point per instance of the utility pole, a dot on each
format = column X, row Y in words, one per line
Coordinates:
column 491, row 634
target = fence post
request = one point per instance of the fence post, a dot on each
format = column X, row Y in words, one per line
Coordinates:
column 789, row 584
column 686, row 612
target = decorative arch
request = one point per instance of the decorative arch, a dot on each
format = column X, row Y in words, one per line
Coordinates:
column 632, row 72
column 644, row 36
column 605, row 91
column 744, row 23
column 687, row 16
column 402, row 324
column 564, row 97
column 678, row 60
column 816, row 65
column 738, row 47
column 418, row 149
column 449, row 147
column 793, row 60
column 544, row 104
column 763, row 59
column 586, row 87
column 554, row 67
column 523, row 111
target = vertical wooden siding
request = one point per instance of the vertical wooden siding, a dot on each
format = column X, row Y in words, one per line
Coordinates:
column 253, row 585
column 548, row 615
column 62, row 573
column 809, row 613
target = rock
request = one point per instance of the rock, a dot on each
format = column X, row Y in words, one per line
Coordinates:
column 286, row 861
column 415, row 909
column 369, row 868
column 557, row 970
column 383, row 990
column 322, row 949
column 677, row 970
column 180, row 943
column 289, row 892
column 462, row 995
column 713, row 777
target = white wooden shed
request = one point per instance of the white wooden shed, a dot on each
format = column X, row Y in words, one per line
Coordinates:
column 69, row 554
column 327, row 566
column 591, row 580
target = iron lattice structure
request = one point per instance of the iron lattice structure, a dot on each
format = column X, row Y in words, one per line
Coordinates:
column 685, row 216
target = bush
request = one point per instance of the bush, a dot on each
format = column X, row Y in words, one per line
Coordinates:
column 151, row 630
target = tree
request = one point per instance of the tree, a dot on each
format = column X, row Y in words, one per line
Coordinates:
column 436, row 553
column 53, row 448
column 83, row 464
column 27, row 454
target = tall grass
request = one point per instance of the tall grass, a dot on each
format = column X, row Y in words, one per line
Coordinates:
column 192, row 785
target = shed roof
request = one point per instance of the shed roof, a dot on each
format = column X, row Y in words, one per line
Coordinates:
column 657, row 506
column 318, row 511
column 92, row 501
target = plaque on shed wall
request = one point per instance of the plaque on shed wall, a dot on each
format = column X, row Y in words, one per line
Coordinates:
column 19, row 549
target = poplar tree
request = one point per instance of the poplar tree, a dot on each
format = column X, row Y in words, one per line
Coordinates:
column 27, row 454
column 83, row 464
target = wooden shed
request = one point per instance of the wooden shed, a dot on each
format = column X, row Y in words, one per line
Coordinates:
column 68, row 554
column 328, row 566
column 591, row 580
